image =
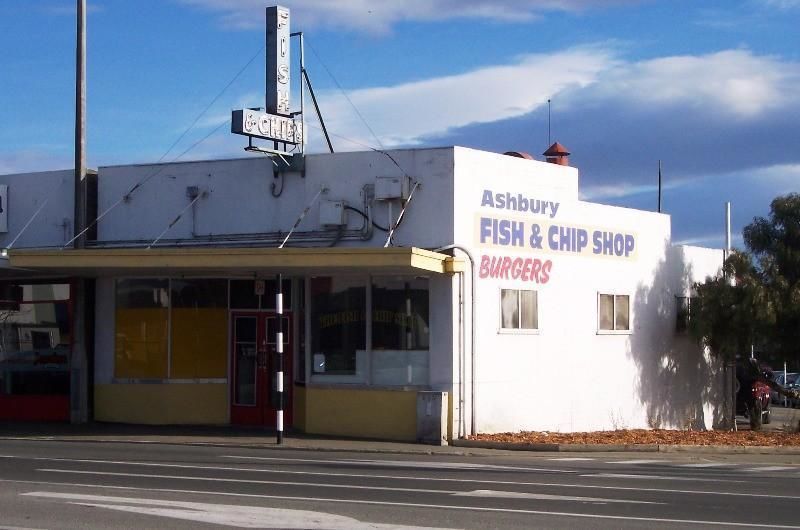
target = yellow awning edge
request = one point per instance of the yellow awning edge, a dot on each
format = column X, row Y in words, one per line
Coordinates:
column 197, row 260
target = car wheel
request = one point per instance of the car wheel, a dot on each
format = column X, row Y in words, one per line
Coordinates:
column 755, row 416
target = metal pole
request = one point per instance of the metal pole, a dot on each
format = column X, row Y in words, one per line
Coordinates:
column 727, row 229
column 659, row 186
column 78, row 362
column 279, row 351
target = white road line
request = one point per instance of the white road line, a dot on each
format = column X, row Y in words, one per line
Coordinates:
column 710, row 464
column 655, row 477
column 225, row 514
column 636, row 462
column 247, row 481
column 404, row 477
column 770, row 468
column 570, row 459
column 402, row 463
column 544, row 497
column 445, row 506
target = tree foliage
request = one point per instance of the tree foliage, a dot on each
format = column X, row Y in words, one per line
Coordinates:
column 756, row 299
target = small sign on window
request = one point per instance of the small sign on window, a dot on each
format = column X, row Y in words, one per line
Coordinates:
column 259, row 287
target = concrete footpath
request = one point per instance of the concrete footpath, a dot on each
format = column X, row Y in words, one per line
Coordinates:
column 227, row 436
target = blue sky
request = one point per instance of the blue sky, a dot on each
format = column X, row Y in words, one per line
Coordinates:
column 708, row 87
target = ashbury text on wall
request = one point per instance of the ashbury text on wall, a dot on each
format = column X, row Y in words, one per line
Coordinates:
column 530, row 226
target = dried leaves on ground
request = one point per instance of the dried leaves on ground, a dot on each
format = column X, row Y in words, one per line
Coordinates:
column 644, row 436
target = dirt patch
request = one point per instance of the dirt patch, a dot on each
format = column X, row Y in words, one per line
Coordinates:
column 644, row 436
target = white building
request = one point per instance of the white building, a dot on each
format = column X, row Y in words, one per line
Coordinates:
column 529, row 308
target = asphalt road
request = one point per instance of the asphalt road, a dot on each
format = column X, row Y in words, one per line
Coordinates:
column 49, row 484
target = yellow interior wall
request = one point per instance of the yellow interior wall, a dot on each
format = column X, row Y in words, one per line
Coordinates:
column 381, row 414
column 164, row 404
column 199, row 343
column 140, row 346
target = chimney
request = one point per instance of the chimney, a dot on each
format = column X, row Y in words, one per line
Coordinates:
column 557, row 154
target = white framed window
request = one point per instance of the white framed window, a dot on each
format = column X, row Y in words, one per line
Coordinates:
column 613, row 312
column 519, row 310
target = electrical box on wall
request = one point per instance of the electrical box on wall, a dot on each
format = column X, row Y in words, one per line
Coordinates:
column 391, row 188
column 332, row 213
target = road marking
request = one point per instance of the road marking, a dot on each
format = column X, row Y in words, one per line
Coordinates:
column 444, row 506
column 225, row 514
column 655, row 477
column 770, row 468
column 570, row 459
column 712, row 464
column 636, row 462
column 411, row 478
column 402, row 463
column 247, row 481
column 544, row 497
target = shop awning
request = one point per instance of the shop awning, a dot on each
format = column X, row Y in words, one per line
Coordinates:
column 94, row 262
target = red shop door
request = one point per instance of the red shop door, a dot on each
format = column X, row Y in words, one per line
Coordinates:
column 254, row 368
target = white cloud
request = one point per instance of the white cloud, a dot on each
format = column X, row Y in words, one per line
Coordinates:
column 374, row 16
column 403, row 114
column 730, row 86
column 732, row 82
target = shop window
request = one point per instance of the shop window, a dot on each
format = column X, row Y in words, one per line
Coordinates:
column 613, row 312
column 199, row 321
column 338, row 325
column 35, row 339
column 683, row 314
column 519, row 309
column 400, row 331
column 141, row 348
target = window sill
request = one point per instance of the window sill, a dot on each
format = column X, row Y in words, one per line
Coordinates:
column 614, row 332
column 510, row 331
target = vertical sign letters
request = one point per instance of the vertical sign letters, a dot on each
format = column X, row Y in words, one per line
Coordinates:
column 278, row 80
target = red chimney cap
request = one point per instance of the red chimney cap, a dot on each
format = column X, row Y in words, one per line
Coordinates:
column 556, row 150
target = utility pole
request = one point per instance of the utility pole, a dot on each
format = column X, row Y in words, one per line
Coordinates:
column 78, row 361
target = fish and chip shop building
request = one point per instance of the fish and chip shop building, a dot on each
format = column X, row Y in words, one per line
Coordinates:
column 502, row 301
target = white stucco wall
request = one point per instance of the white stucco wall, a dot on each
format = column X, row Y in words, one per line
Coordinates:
column 568, row 376
column 27, row 192
column 240, row 200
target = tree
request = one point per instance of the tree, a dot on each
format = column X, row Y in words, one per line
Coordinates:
column 775, row 246
column 756, row 298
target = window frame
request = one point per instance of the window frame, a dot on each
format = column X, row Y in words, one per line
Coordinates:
column 614, row 331
column 518, row 330
column 169, row 379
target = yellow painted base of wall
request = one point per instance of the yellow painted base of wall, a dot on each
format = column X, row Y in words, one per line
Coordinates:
column 162, row 404
column 361, row 413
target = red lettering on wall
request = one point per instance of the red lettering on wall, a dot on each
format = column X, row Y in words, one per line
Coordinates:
column 525, row 269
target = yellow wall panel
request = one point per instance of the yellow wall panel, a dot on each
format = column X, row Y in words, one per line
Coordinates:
column 164, row 404
column 140, row 346
column 199, row 343
column 382, row 414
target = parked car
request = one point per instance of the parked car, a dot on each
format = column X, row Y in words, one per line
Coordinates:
column 792, row 378
column 752, row 396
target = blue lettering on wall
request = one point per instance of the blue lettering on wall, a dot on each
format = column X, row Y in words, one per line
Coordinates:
column 502, row 232
column 612, row 243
